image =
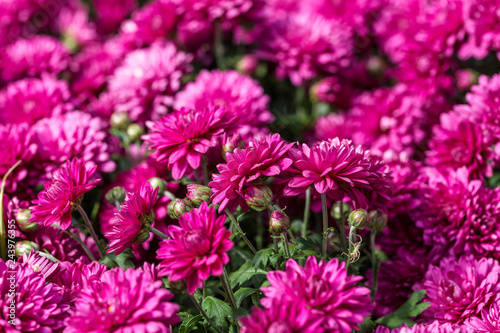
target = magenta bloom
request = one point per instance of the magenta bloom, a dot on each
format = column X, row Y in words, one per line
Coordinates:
column 460, row 289
column 337, row 168
column 73, row 24
column 37, row 56
column 326, row 289
column 197, row 249
column 133, row 220
column 62, row 194
column 282, row 316
column 111, row 13
column 124, row 301
column 39, row 304
column 432, row 327
column 247, row 167
column 31, row 99
column 242, row 96
column 183, row 137
column 458, row 142
column 144, row 85
column 488, row 320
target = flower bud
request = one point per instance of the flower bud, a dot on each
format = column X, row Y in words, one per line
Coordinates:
column 248, row 64
column 116, row 194
column 119, row 120
column 142, row 236
column 158, row 183
column 179, row 207
column 336, row 213
column 134, row 132
column 376, row 66
column 378, row 221
column 279, row 222
column 258, row 197
column 22, row 219
column 25, row 246
column 198, row 193
column 359, row 218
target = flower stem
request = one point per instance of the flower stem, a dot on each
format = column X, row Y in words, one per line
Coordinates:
column 325, row 224
column 203, row 313
column 91, row 230
column 118, row 206
column 82, row 244
column 3, row 233
column 374, row 264
column 224, row 279
column 307, row 213
column 342, row 228
column 158, row 233
column 204, row 170
column 352, row 235
column 286, row 248
column 238, row 229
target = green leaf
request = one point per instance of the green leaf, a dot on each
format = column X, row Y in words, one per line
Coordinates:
column 122, row 260
column 411, row 308
column 244, row 273
column 367, row 326
column 243, row 293
column 262, row 256
column 305, row 243
column 190, row 323
column 217, row 310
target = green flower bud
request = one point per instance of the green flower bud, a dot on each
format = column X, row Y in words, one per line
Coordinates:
column 160, row 183
column 25, row 246
column 279, row 222
column 119, row 120
column 116, row 194
column 179, row 207
column 142, row 236
column 258, row 197
column 198, row 193
column 378, row 221
column 134, row 132
column 359, row 218
column 22, row 219
column 336, row 213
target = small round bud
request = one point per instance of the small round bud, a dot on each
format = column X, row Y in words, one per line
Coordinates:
column 119, row 120
column 134, row 132
column 116, row 194
column 248, row 64
column 142, row 236
column 198, row 193
column 158, row 182
column 376, row 66
column 378, row 221
column 258, row 197
column 179, row 207
column 336, row 213
column 22, row 219
column 359, row 218
column 279, row 222
column 25, row 246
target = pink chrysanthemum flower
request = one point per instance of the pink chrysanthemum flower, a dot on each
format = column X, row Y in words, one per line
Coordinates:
column 183, row 137
column 458, row 142
column 331, row 126
column 111, row 13
column 460, row 289
column 124, row 301
column 432, row 327
column 62, row 194
column 282, row 316
column 326, row 289
column 50, row 270
column 488, row 321
column 39, row 304
column 239, row 94
column 133, row 220
column 29, row 100
column 246, row 167
column 144, row 85
column 37, row 56
column 73, row 24
column 197, row 249
column 337, row 168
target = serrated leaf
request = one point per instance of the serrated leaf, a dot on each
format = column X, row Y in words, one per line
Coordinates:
column 305, row 243
column 239, row 312
column 262, row 256
column 410, row 309
column 243, row 293
column 189, row 323
column 217, row 310
column 244, row 273
column 112, row 260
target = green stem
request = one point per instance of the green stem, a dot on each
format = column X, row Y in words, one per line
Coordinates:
column 3, row 233
column 352, row 239
column 307, row 213
column 238, row 229
column 374, row 264
column 91, row 230
column 275, row 242
column 158, row 233
column 224, row 279
column 286, row 248
column 82, row 244
column 325, row 225
column 204, row 170
column 342, row 228
column 203, row 313
column 118, row 206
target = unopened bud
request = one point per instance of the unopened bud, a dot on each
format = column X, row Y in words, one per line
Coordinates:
column 119, row 120
column 279, row 222
column 258, row 197
column 22, row 218
column 336, row 211
column 142, row 236
column 158, row 183
column 179, row 207
column 25, row 246
column 134, row 132
column 198, row 193
column 378, row 221
column 376, row 66
column 248, row 64
column 116, row 194
column 359, row 218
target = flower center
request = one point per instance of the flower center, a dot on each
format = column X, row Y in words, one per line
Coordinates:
column 197, row 241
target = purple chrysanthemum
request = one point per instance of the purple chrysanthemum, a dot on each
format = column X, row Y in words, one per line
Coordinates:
column 183, row 137
column 144, row 85
column 326, row 289
column 133, row 220
column 73, row 24
column 246, row 167
column 487, row 321
column 63, row 193
column 197, row 249
column 124, row 301
column 432, row 327
column 242, row 96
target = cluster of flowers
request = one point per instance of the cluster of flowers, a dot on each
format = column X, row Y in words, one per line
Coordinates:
column 142, row 163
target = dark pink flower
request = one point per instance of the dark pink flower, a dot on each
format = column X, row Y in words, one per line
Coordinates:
column 73, row 24
column 134, row 219
column 431, row 327
column 197, row 249
column 123, row 301
column 111, row 13
column 183, row 137
column 487, row 321
column 62, row 194
column 325, row 288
